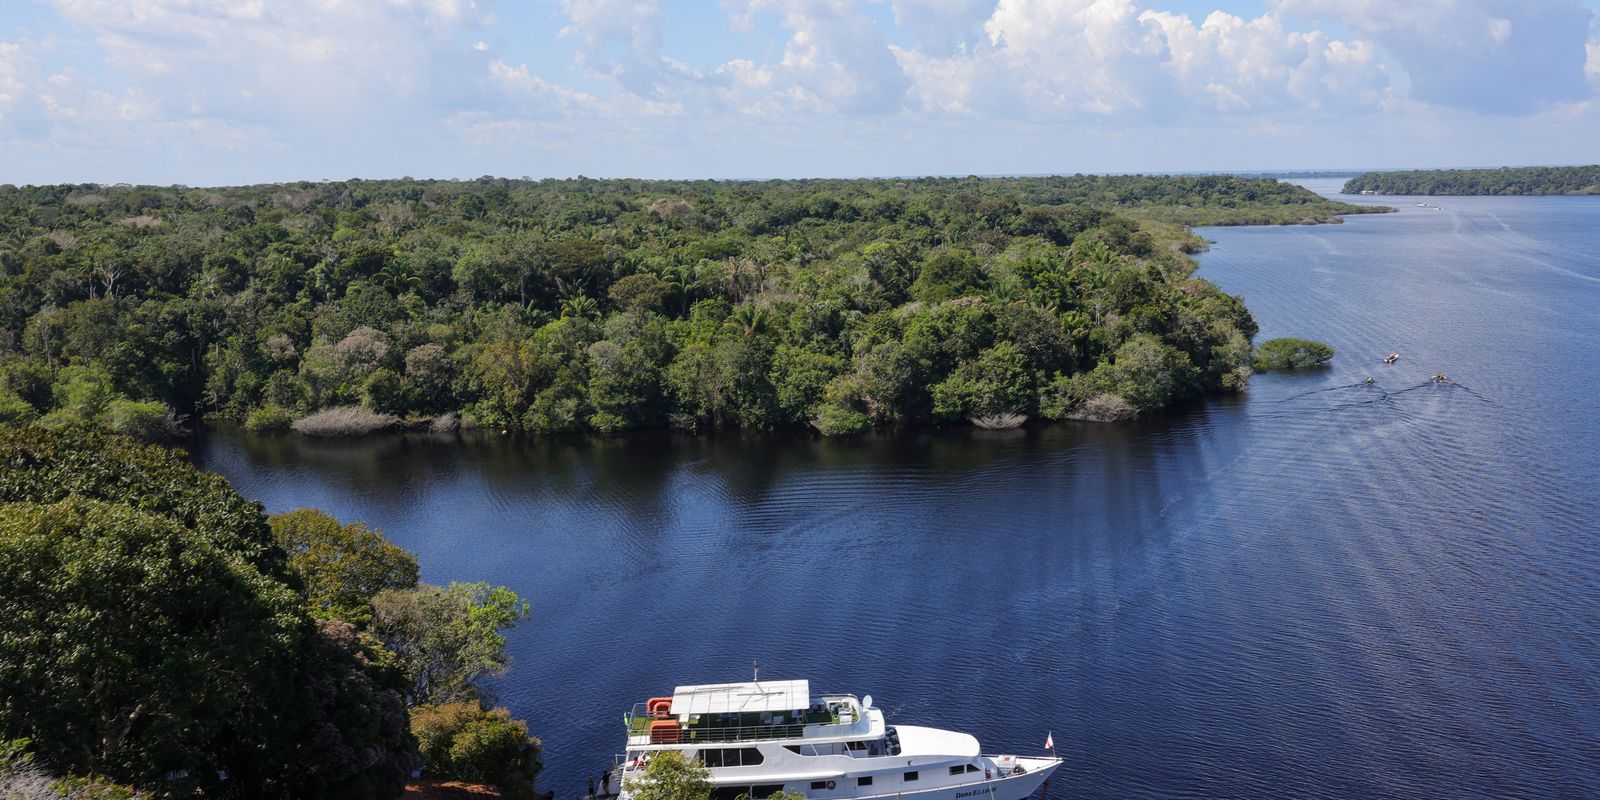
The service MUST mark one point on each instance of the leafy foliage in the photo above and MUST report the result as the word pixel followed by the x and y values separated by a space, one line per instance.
pixel 48 466
pixel 1505 180
pixel 23 779
pixel 136 646
pixel 585 305
pixel 1291 354
pixel 154 633
pixel 341 567
pixel 447 638
pixel 462 741
pixel 355 740
pixel 671 776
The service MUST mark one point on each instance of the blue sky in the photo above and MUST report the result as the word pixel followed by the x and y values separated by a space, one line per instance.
pixel 230 91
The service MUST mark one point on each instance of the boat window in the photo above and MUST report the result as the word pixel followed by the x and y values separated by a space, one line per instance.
pixel 911 776
pixel 856 745
pixel 864 781
pixel 957 770
pixel 729 792
pixel 793 748
pixel 765 789
pixel 713 758
pixel 972 767
pixel 819 786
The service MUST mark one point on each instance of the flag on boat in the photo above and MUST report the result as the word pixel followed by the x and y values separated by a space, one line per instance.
pixel 1049 741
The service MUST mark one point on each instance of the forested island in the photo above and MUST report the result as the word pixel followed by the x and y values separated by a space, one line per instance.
pixel 1502 181
pixel 605 305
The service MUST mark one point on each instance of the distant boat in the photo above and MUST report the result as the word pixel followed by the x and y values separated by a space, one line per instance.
pixel 1391 358
pixel 757 738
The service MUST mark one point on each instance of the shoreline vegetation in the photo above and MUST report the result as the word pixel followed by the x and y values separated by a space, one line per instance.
pixel 340 308
pixel 1581 180
pixel 164 637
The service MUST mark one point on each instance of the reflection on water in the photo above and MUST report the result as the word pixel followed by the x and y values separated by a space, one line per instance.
pixel 1327 588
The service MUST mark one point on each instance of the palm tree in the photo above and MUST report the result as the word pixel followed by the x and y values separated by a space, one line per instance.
pixel 750 319
pixel 396 278
pixel 579 306
pixel 682 284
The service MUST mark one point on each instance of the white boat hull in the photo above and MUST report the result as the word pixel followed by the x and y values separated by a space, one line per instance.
pixel 1007 787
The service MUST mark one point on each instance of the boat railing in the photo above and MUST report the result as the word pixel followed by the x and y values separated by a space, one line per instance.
pixel 644 728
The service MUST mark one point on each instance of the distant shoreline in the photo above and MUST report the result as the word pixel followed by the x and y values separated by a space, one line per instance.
pixel 1505 181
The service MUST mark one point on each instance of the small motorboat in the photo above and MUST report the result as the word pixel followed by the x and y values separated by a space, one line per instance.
pixel 1391 358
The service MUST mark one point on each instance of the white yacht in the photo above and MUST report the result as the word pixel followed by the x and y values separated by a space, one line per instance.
pixel 759 737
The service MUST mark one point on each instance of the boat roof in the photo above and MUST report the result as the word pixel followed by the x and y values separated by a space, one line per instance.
pixel 728 698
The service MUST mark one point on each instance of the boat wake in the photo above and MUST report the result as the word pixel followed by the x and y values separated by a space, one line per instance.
pixel 1374 393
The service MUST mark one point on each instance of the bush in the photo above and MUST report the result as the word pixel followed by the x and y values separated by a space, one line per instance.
pixel 15 411
pixel 344 421
pixel 82 392
pixel 836 420
pixel 461 741
pixel 269 418
pixel 143 421
pixel 1291 354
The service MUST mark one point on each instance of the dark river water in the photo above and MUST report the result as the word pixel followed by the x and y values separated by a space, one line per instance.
pixel 1318 589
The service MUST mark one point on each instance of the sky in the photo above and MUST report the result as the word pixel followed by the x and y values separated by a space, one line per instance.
pixel 211 92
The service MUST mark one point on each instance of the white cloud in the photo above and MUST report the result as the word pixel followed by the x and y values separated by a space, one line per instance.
pixel 1591 67
pixel 1495 56
pixel 942 26
pixel 22 111
pixel 634 23
pixel 1065 59
pixel 532 93
pixel 294 59
pixel 835 58
pixel 392 86
pixel 1255 65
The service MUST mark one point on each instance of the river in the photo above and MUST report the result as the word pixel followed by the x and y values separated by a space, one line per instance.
pixel 1321 588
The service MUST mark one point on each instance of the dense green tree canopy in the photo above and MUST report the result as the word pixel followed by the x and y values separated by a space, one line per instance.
pixel 447 637
pixel 464 742
pixel 340 566
pixel 150 631
pixel 47 466
pixel 606 305
pixel 1505 180
pixel 135 646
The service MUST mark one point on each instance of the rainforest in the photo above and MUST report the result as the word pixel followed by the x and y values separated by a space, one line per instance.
pixel 606 305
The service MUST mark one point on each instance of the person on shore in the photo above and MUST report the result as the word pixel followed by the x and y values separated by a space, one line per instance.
pixel 591 786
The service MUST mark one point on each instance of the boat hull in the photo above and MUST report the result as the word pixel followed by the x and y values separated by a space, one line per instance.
pixel 1008 787
pixel 1000 787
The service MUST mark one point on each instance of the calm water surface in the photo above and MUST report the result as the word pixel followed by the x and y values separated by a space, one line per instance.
pixel 1319 589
